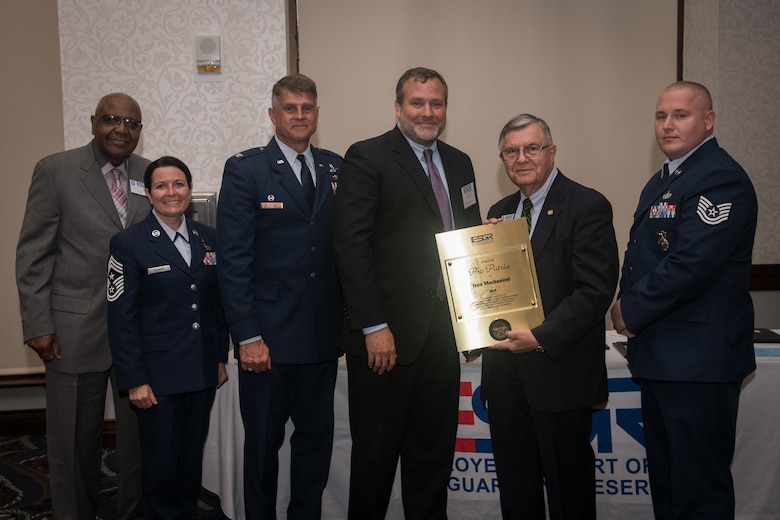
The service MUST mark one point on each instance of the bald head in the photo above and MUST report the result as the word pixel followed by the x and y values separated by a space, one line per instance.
pixel 683 118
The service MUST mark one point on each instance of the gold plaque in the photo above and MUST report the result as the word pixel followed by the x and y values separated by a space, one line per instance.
pixel 490 279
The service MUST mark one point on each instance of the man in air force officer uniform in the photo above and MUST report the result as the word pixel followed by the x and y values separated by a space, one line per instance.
pixel 282 300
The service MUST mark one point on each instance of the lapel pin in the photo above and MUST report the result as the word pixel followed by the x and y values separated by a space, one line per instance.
pixel 155 233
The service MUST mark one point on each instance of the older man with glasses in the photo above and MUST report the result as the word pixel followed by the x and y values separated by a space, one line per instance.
pixel 540 384
pixel 78 200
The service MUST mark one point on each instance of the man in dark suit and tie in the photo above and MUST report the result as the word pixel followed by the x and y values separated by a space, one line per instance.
pixel 397 191
pixel 541 384
pixel 78 200
pixel 684 304
pixel 282 300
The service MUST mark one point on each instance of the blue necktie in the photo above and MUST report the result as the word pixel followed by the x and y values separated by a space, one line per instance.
pixel 306 181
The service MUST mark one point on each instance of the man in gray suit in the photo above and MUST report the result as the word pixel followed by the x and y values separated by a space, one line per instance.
pixel 78 200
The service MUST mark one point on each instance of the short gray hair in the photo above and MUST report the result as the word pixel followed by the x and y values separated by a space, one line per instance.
pixel 521 121
pixel 295 83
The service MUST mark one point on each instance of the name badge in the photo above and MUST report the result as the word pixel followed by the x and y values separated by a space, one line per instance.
pixel 158 269
pixel 272 205
pixel 469 195
pixel 137 187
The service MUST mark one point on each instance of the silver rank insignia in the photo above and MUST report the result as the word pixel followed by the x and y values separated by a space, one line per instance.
pixel 712 214
pixel 663 242
pixel 115 283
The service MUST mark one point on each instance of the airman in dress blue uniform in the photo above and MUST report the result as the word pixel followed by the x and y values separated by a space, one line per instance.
pixel 168 337
pixel 685 307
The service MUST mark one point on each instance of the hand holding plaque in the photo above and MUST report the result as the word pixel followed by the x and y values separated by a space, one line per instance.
pixel 490 280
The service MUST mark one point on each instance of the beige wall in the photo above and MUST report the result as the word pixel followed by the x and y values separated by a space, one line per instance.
pixel 31 107
pixel 593 70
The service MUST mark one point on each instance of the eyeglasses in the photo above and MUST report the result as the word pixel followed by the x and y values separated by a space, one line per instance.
pixel 510 154
pixel 112 121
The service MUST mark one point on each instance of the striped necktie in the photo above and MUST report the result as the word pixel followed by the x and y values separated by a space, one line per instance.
pixel 527 205
pixel 119 197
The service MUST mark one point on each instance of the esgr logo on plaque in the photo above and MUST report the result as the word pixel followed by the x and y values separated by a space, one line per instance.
pixel 482 239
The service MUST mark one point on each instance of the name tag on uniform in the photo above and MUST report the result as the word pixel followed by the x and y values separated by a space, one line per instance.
pixel 158 269
pixel 272 205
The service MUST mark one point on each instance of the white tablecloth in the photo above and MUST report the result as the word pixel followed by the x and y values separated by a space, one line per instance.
pixel 623 490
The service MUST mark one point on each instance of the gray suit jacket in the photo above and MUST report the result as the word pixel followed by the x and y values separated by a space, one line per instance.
pixel 62 255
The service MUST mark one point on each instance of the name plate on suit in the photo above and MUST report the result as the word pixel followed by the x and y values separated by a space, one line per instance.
pixel 490 280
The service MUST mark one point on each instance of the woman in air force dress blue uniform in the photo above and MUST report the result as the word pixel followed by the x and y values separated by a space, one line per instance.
pixel 168 336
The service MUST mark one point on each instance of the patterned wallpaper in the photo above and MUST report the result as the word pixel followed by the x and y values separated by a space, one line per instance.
pixel 733 47
pixel 146 48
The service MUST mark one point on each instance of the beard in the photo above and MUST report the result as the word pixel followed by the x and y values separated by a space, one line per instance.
pixel 424 135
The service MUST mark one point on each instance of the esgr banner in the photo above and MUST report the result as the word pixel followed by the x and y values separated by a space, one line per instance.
pixel 617 438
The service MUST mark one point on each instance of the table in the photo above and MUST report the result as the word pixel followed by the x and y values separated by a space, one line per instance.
pixel 622 490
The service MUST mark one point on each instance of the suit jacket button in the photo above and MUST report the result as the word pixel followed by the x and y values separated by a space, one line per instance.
pixel 196 326
pixel 312 275
pixel 194 306
pixel 194 287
